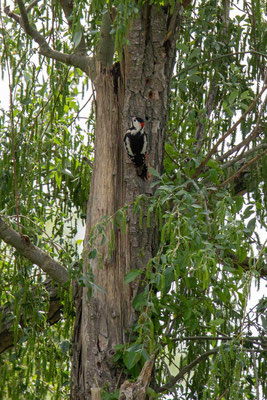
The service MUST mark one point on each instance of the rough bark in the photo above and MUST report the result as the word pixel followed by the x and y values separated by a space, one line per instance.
pixel 139 85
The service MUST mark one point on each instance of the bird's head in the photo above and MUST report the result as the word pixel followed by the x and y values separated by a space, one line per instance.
pixel 138 123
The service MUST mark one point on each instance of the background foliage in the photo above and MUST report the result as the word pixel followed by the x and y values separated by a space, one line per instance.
pixel 196 289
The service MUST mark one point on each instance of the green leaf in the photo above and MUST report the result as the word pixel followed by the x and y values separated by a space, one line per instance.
pixel 251 224
pixel 239 203
pixel 92 254
pixel 195 52
pixel 77 38
pixel 183 47
pixel 242 254
pixel 154 172
pixel 195 78
pixel 233 96
pixel 130 358
pixel 139 301
pixel 217 321
pixel 132 275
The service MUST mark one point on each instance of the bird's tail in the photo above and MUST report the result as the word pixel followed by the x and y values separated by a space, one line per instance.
pixel 143 173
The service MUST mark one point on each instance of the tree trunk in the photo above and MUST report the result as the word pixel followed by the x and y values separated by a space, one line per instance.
pixel 137 86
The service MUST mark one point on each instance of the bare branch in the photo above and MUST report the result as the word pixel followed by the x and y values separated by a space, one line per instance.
pixel 246 264
pixel 244 155
pixel 237 173
pixel 232 129
pixel 210 60
pixel 173 22
pixel 248 139
pixel 185 370
pixel 244 142
pixel 83 62
pixel 253 339
pixel 23 245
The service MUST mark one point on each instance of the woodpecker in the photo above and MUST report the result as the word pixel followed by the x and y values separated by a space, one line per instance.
pixel 135 141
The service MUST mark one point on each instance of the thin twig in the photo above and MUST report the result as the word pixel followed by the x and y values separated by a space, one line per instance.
pixel 256 130
pixel 244 155
pixel 185 370
pixel 224 393
pixel 210 60
pixel 253 339
pixel 232 129
pixel 237 173
pixel 236 148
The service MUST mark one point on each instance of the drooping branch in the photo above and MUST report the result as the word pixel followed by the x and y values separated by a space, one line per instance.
pixel 243 168
pixel 185 370
pixel 83 62
pixel 53 315
pixel 244 156
pixel 23 245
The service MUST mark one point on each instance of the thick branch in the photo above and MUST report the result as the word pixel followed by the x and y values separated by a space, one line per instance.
pixel 83 62
pixel 185 370
pixel 137 390
pixel 106 44
pixel 23 245
pixel 7 332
